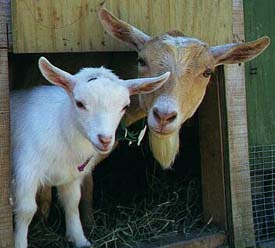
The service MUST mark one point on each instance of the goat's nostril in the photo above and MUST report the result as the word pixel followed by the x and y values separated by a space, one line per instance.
pixel 104 140
pixel 165 117
pixel 171 116
pixel 156 114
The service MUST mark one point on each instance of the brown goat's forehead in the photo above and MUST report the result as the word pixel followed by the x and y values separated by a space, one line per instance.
pixel 176 36
pixel 175 51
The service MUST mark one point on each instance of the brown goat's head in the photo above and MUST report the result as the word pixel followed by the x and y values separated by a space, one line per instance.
pixel 191 63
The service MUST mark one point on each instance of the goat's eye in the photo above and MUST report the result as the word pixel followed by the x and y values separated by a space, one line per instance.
pixel 207 73
pixel 92 78
pixel 80 105
pixel 141 62
pixel 125 107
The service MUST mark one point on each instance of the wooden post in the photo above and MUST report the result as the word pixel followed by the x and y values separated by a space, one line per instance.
pixel 240 191
pixel 6 229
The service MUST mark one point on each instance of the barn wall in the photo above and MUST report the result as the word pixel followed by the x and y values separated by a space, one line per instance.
pixel 73 26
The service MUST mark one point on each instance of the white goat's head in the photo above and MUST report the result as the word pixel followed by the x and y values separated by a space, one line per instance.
pixel 99 99
pixel 191 63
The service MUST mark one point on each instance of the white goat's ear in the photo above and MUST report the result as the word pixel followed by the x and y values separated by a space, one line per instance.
pixel 146 85
pixel 122 31
pixel 239 52
pixel 55 75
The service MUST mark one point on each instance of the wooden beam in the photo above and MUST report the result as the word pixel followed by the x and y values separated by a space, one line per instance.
pixel 6 226
pixel 240 191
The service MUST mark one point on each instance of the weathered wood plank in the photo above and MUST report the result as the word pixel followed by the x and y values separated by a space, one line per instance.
pixel 6 226
pixel 73 26
pixel 240 190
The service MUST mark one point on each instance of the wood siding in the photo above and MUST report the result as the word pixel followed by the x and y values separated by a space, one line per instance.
pixel 73 26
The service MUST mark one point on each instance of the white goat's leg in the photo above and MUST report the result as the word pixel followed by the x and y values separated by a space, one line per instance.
pixel 70 195
pixel 25 210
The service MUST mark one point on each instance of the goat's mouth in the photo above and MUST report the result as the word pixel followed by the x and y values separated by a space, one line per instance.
pixel 162 133
pixel 102 150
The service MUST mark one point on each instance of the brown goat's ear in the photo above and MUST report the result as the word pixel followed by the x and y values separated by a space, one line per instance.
pixel 55 75
pixel 122 31
pixel 239 52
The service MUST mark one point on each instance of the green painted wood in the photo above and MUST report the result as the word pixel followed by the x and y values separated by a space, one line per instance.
pixel 259 17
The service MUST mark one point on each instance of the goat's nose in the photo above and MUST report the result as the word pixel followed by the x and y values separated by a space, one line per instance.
pixel 164 117
pixel 105 140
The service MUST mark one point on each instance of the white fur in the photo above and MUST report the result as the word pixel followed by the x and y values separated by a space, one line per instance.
pixel 51 136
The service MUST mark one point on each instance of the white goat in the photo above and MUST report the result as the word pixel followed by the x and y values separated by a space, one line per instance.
pixel 57 137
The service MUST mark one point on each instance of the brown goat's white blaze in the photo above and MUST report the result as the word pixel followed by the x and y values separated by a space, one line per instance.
pixel 191 63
